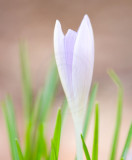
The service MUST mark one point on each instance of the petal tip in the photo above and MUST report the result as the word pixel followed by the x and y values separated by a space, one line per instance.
pixel 87 19
pixel 57 24
pixel 86 16
pixel 58 29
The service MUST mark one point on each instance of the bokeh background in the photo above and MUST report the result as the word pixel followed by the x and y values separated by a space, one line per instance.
pixel 33 21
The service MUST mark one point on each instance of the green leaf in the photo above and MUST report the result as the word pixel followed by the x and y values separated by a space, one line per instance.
pixel 48 93
pixel 96 134
pixel 56 138
pixel 41 148
pixel 85 149
pixel 42 106
pixel 28 141
pixel 116 80
pixel 53 152
pixel 8 110
pixel 19 150
pixel 127 144
pixel 89 109
pixel 64 109
pixel 26 81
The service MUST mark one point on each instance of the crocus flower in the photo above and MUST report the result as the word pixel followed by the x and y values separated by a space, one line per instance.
pixel 74 54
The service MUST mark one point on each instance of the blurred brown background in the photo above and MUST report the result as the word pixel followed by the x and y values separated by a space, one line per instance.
pixel 33 21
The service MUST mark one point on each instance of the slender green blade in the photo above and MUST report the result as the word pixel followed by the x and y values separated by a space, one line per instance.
pixel 89 109
pixel 48 93
pixel 96 134
pixel 28 141
pixel 116 80
pixel 53 152
pixel 44 149
pixel 42 106
pixel 26 81
pixel 64 109
pixel 117 128
pixel 19 150
pixel 57 135
pixel 85 149
pixel 9 115
pixel 41 146
pixel 127 144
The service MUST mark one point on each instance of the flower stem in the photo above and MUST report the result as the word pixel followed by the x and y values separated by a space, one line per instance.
pixel 78 123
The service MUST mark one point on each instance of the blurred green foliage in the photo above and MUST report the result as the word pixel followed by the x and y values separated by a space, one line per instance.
pixel 36 112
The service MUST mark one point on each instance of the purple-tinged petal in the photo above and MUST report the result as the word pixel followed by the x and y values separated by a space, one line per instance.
pixel 83 61
pixel 63 55
pixel 60 54
pixel 86 18
pixel 69 42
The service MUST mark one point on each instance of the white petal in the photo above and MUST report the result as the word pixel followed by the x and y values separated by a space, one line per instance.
pixel 83 61
pixel 61 61
pixel 86 18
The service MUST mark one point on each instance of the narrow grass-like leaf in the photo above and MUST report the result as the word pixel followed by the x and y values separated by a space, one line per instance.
pixel 63 110
pixel 96 134
pixel 19 150
pixel 8 110
pixel 42 106
pixel 127 144
pixel 44 149
pixel 117 127
pixel 56 138
pixel 85 149
pixel 41 148
pixel 116 80
pixel 26 81
pixel 28 141
pixel 53 151
pixel 48 93
pixel 11 113
pixel 89 109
